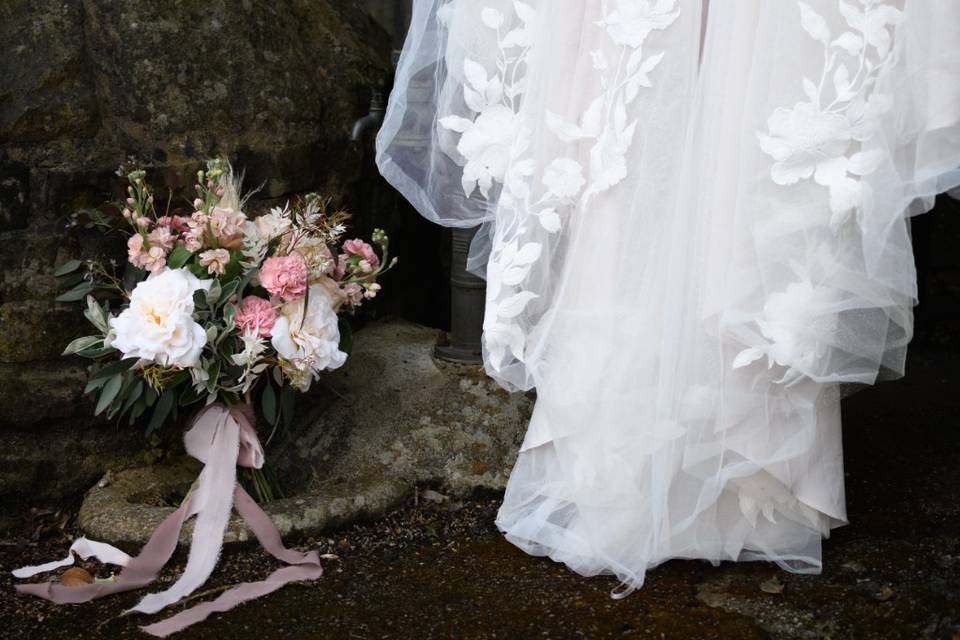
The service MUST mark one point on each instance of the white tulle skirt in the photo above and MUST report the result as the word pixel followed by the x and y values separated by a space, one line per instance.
pixel 695 229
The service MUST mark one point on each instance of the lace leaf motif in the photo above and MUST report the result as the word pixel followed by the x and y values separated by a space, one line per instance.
pixel 494 143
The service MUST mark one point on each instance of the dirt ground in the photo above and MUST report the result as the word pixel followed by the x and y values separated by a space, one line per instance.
pixel 440 570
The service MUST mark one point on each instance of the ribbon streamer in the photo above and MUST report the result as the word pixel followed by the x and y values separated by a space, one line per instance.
pixel 221 438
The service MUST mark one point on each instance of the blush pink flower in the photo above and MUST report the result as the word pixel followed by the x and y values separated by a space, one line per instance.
pixel 285 276
pixel 341 269
pixel 161 236
pixel 215 260
pixel 227 226
pixel 154 259
pixel 255 315
pixel 358 247
pixel 354 294
pixel 134 249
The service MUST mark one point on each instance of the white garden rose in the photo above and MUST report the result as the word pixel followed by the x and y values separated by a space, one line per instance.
pixel 158 325
pixel 308 343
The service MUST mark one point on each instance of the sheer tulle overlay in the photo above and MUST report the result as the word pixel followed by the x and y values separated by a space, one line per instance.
pixel 695 230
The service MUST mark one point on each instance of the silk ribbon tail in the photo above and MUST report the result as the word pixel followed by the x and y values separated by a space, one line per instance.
pixel 305 566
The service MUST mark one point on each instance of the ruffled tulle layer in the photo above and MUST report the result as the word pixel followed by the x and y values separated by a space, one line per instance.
pixel 696 230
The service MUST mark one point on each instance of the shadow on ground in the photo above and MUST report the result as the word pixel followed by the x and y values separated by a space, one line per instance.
pixel 438 569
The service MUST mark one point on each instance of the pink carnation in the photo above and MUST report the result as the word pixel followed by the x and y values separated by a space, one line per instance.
pixel 358 247
pixel 285 276
pixel 255 315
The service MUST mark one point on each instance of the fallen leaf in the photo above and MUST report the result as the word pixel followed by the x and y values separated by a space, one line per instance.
pixel 773 585
pixel 76 577
pixel 885 594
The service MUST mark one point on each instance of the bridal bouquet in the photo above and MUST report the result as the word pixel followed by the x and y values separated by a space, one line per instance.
pixel 217 307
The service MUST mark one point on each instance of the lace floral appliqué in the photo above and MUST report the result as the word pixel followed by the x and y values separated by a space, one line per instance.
pixel 494 147
pixel 820 137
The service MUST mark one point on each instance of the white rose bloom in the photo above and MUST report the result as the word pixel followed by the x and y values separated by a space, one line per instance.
pixel 158 325
pixel 308 343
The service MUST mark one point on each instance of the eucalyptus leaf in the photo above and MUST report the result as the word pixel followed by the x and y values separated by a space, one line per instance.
pixel 248 276
pixel 228 290
pixel 117 405
pixel 96 315
pixel 94 384
pixel 79 292
pixel 268 403
pixel 149 396
pixel 229 313
pixel 110 391
pixel 96 353
pixel 135 394
pixel 70 280
pixel 139 406
pixel 178 257
pixel 161 411
pixel 67 267
pixel 213 293
pixel 114 368
pixel 82 344
pixel 213 374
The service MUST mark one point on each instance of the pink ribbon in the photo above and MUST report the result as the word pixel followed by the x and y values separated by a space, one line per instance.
pixel 221 438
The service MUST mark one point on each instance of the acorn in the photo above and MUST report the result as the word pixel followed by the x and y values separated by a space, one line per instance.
pixel 75 577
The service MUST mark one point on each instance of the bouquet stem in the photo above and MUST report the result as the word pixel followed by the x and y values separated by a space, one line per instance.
pixel 263 484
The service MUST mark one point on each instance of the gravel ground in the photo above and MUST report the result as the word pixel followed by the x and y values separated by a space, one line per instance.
pixel 440 570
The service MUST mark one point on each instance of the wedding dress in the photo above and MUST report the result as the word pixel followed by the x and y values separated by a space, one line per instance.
pixel 694 234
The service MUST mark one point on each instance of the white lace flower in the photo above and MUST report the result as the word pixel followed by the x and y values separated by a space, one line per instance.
pixel 485 145
pixel 873 23
pixel 634 20
pixel 158 324
pixel 564 177
pixel 785 324
pixel 804 141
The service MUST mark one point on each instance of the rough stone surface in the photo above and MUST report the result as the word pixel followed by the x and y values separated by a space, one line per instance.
pixel 66 459
pixel 391 419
